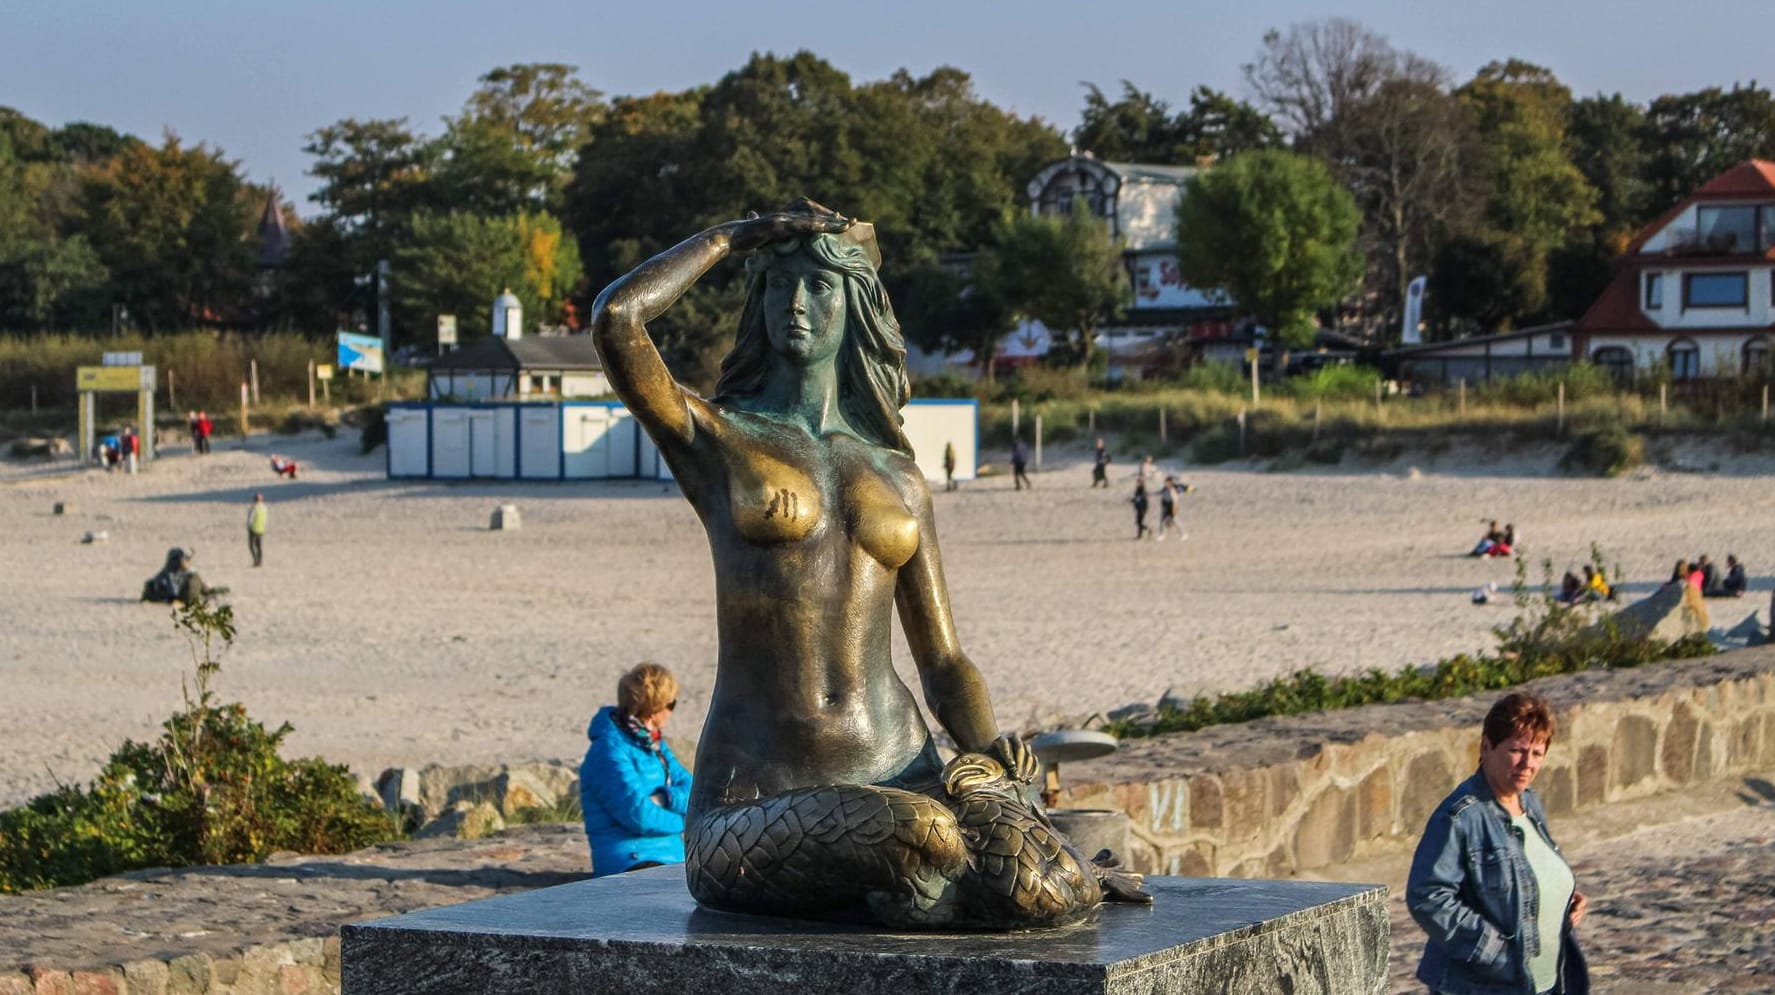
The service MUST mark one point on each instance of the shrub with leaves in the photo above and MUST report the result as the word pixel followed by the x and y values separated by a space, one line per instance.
pixel 211 789
pixel 1544 639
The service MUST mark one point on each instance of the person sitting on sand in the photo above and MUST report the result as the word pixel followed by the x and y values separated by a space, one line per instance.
pixel 1506 543
pixel 177 582
pixel 1735 583
pixel 1596 585
pixel 1571 589
pixel 1709 575
pixel 1492 537
pixel 283 467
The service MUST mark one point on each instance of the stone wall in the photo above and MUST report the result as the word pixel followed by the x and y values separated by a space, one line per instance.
pixel 1267 798
pixel 1263 798
pixel 296 967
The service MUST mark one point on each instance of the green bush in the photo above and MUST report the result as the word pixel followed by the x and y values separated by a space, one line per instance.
pixel 211 789
pixel 943 385
pixel 373 427
pixel 1343 383
pixel 1608 451
pixel 1215 378
pixel 1544 639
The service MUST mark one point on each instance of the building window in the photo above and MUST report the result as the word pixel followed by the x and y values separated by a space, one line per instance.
pixel 1654 291
pixel 1727 229
pixel 1756 356
pixel 1615 359
pixel 1685 360
pixel 1716 290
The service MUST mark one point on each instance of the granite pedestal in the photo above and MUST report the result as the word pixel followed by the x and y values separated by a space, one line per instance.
pixel 641 932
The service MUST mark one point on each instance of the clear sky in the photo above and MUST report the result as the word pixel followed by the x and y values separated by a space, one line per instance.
pixel 253 77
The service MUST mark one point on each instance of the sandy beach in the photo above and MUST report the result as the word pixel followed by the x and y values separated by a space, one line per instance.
pixel 391 627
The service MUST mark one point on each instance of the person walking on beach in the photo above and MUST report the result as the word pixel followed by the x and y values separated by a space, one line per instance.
pixel 1168 510
pixel 1020 466
pixel 132 448
pixel 204 428
pixel 1100 466
pixel 1141 531
pixel 257 518
pixel 949 466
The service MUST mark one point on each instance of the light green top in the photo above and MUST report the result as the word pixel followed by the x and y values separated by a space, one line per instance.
pixel 257 517
pixel 1555 884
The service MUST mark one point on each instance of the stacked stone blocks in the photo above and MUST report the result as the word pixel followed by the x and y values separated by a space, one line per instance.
pixel 1270 798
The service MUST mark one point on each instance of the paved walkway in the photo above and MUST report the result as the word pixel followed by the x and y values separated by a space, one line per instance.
pixel 1682 896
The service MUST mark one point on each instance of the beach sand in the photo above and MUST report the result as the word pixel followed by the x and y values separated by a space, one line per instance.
pixel 391 627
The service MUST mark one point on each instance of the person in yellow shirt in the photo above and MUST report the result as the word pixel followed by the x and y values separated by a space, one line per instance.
pixel 257 517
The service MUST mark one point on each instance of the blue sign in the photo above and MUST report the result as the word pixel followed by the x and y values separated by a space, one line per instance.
pixel 360 352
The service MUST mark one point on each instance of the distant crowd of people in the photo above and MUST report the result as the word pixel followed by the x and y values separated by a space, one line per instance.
pixel 1704 577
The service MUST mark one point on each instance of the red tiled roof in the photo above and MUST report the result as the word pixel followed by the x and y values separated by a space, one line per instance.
pixel 1617 308
pixel 1749 179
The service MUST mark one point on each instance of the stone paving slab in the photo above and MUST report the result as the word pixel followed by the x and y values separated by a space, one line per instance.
pixel 163 914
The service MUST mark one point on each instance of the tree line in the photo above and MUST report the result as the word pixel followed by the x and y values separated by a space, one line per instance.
pixel 1509 193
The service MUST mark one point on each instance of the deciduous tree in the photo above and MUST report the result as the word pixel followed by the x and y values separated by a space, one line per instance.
pixel 1275 233
pixel 1066 273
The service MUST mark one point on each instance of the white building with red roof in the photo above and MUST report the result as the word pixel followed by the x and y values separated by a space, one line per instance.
pixel 1695 289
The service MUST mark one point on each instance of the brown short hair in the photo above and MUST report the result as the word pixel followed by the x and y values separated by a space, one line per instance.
pixel 647 688
pixel 1519 713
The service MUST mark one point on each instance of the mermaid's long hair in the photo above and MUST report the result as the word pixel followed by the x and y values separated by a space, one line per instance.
pixel 872 383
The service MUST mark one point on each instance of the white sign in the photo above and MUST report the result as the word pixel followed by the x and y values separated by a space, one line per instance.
pixel 121 359
pixel 446 329
pixel 1414 310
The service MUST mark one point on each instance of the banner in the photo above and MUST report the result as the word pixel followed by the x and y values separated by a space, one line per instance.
pixel 360 352
pixel 1414 312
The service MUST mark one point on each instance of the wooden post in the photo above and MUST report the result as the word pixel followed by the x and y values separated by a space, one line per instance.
pixel 1164 436
pixel 1254 397
pixel 1461 396
pixel 311 383
pixel 1016 414
pixel 1663 403
pixel 1559 426
pixel 1038 441
pixel 326 392
pixel 172 390
pixel 243 412
pixel 253 370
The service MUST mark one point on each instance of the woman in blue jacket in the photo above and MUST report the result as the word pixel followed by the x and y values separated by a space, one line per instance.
pixel 1488 884
pixel 632 789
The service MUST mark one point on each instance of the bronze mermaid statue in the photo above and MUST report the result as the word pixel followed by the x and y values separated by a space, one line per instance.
pixel 819 791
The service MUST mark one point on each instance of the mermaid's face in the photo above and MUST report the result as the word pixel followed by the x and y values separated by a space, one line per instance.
pixel 803 308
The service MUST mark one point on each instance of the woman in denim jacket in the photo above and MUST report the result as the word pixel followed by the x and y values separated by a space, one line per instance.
pixel 1488 884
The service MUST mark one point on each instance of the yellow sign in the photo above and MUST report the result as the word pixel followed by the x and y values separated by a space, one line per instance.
pixel 108 378
pixel 1251 355
pixel 323 373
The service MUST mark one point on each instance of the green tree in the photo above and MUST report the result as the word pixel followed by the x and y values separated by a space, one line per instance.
pixel 923 157
pixel 45 276
pixel 942 310
pixel 1136 128
pixel 1694 137
pixel 1065 272
pixel 1537 200
pixel 174 227
pixel 1604 140
pixel 1275 233
pixel 1221 127
pixel 456 263
pixel 514 145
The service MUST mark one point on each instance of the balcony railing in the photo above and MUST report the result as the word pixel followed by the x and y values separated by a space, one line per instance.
pixel 1692 242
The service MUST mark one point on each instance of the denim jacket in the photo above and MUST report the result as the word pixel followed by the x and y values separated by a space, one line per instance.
pixel 1472 891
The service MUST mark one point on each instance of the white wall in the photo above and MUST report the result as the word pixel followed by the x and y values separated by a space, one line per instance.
pixel 407 432
pixel 539 440
pixel 1761 309
pixel 932 423
pixel 1146 214
pixel 1720 355
pixel 584 384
